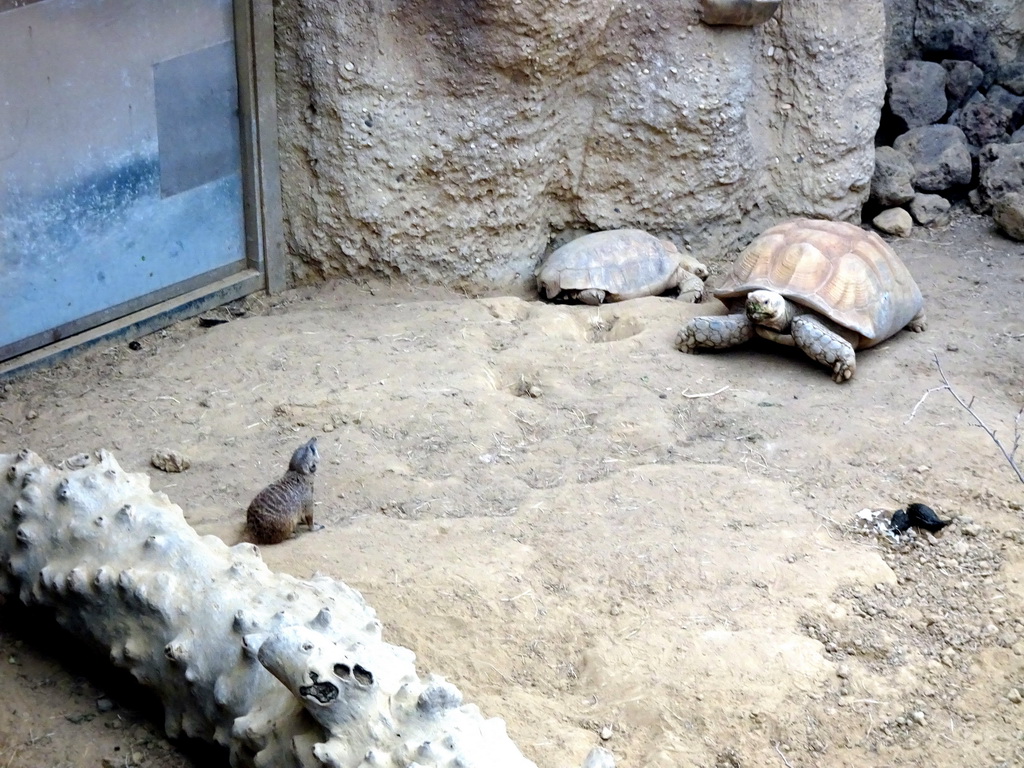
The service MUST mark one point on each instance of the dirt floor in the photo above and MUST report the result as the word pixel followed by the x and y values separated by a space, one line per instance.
pixel 597 538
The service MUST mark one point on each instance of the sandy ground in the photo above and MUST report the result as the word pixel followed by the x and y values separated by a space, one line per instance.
pixel 590 533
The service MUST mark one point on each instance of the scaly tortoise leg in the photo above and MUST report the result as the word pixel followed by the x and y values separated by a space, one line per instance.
pixel 592 296
pixel 714 332
pixel 918 322
pixel 821 343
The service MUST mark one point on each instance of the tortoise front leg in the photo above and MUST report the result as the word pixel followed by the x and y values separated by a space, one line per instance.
pixel 714 332
pixel 918 323
pixel 592 296
pixel 691 289
pixel 821 343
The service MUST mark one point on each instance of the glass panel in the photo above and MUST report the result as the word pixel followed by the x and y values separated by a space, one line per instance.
pixel 120 170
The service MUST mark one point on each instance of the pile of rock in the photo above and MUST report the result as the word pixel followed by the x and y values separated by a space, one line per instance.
pixel 953 128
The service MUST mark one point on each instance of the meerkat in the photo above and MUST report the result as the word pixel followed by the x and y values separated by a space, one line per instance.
pixel 278 509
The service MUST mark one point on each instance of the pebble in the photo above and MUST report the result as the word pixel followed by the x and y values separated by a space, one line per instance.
pixel 103 704
pixel 1015 696
pixel 170 461
pixel 918 717
pixel 599 757
pixel 606 733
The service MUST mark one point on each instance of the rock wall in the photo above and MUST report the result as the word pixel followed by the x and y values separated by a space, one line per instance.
pixel 456 141
pixel 991 31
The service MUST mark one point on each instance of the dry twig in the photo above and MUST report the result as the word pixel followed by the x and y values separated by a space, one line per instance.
pixel 694 396
pixel 781 754
pixel 1009 455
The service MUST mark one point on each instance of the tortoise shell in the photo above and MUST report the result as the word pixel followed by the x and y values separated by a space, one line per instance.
pixel 625 263
pixel 847 274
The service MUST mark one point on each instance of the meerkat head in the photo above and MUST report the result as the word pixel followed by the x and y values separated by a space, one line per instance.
pixel 305 459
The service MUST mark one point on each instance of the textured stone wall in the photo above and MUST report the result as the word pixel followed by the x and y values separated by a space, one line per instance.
pixel 455 140
pixel 993 30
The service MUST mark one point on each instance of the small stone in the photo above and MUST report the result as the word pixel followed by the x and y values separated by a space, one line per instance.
pixel 930 210
pixel 32 415
pixel 918 717
pixel 599 757
pixel 951 347
pixel 1008 214
pixel 843 671
pixel 972 530
pixel 103 704
pixel 606 733
pixel 170 461
pixel 894 221
pixel 328 427
pixel 137 758
pixel 1015 696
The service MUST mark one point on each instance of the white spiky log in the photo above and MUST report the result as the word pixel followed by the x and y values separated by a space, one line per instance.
pixel 283 672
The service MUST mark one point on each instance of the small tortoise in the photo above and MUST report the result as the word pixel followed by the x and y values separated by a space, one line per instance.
pixel 619 264
pixel 827 287
pixel 276 511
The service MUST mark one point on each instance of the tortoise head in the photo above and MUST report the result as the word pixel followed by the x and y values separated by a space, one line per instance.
pixel 769 309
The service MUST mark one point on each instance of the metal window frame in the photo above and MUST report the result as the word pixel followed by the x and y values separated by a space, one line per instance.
pixel 265 267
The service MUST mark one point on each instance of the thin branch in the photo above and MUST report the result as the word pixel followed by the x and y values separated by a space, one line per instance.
pixel 694 396
pixel 920 402
pixel 776 745
pixel 969 407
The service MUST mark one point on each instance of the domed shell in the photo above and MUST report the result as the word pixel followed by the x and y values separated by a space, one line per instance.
pixel 626 263
pixel 846 273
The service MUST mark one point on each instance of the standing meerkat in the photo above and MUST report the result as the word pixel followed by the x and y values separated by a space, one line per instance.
pixel 276 511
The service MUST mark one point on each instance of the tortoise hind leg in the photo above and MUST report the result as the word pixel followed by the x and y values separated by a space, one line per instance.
pixel 714 332
pixel 918 322
pixel 593 296
pixel 821 343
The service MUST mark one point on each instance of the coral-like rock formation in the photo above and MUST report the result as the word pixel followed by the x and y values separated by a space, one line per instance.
pixel 282 672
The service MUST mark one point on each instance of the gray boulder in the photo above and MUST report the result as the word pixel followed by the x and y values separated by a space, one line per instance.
pixel 959 39
pixel 930 210
pixel 1008 214
pixel 963 78
pixel 940 155
pixel 917 93
pixel 984 122
pixel 997 94
pixel 1000 173
pixel 1017 136
pixel 891 183
pixel 1011 77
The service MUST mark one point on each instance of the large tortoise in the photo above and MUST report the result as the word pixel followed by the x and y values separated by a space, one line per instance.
pixel 619 264
pixel 827 287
